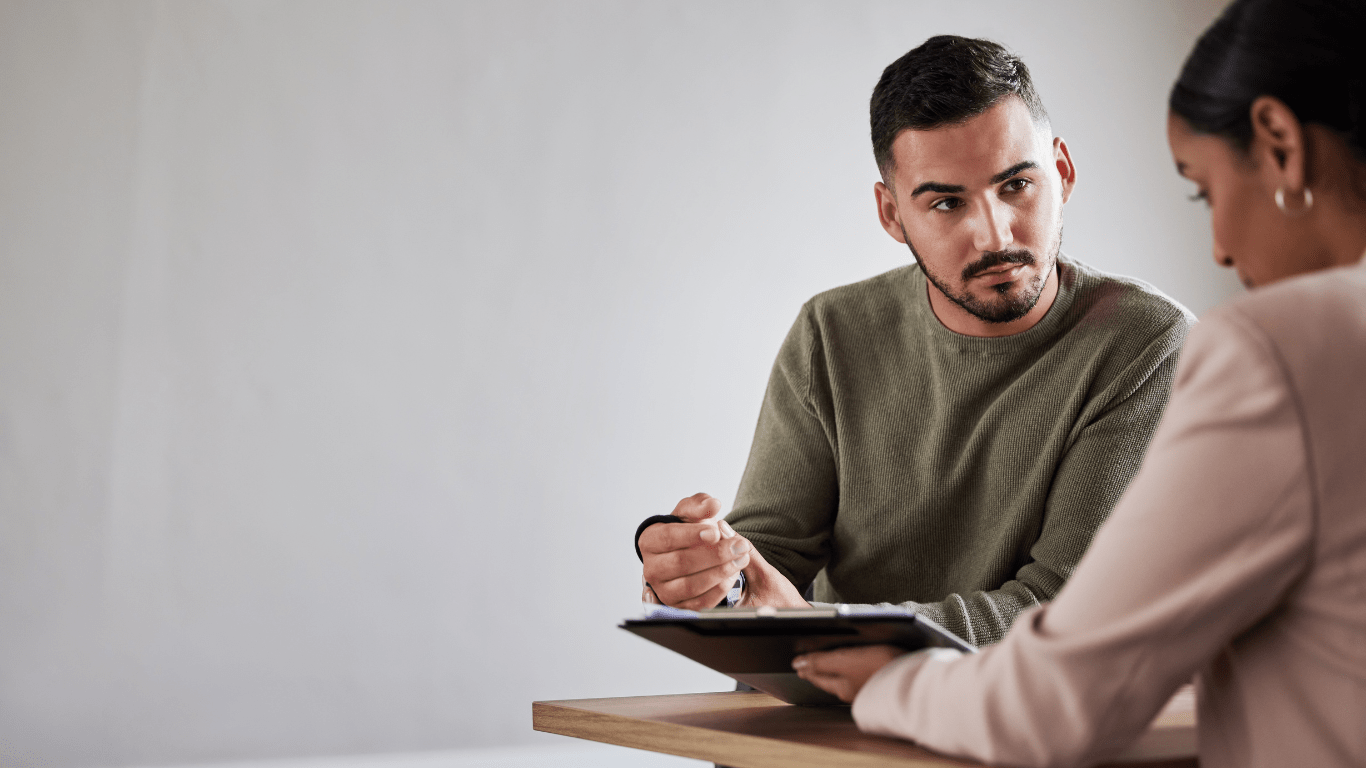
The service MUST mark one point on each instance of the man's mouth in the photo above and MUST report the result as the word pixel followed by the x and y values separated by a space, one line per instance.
pixel 999 264
pixel 999 270
pixel 1000 276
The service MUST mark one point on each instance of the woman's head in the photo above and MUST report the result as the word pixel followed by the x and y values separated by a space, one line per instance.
pixel 1268 117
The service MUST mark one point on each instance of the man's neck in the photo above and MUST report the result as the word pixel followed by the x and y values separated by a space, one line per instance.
pixel 959 320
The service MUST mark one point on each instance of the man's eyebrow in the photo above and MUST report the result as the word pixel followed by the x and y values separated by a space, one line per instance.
pixel 938 187
pixel 952 189
pixel 1180 168
pixel 1013 170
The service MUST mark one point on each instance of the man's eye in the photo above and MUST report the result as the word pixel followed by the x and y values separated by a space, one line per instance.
pixel 1015 185
pixel 1199 196
pixel 947 204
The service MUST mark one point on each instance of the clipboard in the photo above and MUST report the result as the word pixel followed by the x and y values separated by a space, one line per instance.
pixel 756 647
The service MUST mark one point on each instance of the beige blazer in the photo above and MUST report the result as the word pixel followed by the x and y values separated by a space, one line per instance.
pixel 1238 553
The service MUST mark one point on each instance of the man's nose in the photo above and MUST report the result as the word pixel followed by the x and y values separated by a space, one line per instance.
pixel 993 228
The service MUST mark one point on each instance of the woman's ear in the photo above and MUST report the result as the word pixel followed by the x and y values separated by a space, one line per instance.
pixel 1278 144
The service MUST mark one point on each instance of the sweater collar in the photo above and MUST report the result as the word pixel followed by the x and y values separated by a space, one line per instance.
pixel 1069 280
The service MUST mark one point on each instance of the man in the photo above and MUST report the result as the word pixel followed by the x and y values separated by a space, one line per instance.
pixel 948 435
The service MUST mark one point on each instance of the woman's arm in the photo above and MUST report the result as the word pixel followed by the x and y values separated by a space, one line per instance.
pixel 1208 539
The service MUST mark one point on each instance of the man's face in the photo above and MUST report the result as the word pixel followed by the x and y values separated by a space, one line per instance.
pixel 980 205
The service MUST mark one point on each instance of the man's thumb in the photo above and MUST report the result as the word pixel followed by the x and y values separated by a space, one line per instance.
pixel 756 573
pixel 697 508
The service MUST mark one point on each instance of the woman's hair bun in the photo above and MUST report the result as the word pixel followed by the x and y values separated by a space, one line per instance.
pixel 1307 53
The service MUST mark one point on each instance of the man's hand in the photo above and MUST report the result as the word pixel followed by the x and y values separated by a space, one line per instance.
pixel 843 671
pixel 764 585
pixel 692 565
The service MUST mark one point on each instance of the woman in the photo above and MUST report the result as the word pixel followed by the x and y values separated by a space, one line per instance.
pixel 1238 554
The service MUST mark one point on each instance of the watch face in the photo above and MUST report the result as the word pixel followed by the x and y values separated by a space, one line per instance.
pixel 736 595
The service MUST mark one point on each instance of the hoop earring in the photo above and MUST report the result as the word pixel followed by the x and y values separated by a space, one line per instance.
pixel 1304 208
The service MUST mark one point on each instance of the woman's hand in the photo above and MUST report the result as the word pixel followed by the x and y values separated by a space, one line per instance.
pixel 843 671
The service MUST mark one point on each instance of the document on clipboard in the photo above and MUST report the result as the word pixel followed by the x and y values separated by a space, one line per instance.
pixel 756 646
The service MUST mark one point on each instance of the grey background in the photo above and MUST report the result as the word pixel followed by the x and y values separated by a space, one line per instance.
pixel 343 344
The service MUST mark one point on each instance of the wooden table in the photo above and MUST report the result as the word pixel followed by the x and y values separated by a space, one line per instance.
pixel 755 730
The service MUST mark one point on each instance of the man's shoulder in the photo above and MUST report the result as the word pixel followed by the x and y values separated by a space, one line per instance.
pixel 1113 303
pixel 892 291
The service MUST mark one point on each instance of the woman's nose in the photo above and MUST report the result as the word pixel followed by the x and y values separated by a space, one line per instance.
pixel 1222 257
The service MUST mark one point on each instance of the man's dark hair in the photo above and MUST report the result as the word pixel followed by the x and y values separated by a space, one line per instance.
pixel 945 80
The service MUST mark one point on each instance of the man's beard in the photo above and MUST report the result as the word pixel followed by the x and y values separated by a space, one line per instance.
pixel 1007 305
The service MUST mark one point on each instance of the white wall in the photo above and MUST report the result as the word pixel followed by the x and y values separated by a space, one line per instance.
pixel 343 344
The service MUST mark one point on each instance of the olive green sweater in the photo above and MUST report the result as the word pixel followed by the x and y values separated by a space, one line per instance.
pixel 896 461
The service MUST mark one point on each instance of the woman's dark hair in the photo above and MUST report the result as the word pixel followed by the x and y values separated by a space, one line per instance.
pixel 945 80
pixel 1310 54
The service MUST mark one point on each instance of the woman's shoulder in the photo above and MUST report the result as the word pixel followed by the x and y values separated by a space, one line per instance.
pixel 1320 308
pixel 1311 332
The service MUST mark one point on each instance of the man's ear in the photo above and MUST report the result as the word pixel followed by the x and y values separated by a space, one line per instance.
pixel 1067 170
pixel 1278 144
pixel 887 212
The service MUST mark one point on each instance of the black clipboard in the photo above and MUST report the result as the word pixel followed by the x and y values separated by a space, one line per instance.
pixel 756 647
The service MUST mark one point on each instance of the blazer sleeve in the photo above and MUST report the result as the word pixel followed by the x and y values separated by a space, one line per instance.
pixel 1207 540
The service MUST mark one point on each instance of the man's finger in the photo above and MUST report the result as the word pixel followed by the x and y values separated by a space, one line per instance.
pixel 667 537
pixel 647 593
pixel 690 587
pixel 710 599
pixel 692 590
pixel 697 507
pixel 666 566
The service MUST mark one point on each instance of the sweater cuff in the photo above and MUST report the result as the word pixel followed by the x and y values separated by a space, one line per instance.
pixel 649 521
